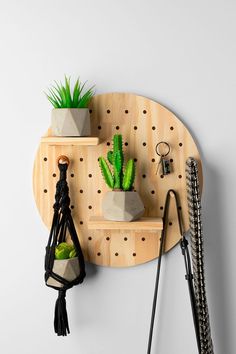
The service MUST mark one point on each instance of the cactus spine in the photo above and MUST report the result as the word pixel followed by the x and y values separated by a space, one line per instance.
pixel 118 180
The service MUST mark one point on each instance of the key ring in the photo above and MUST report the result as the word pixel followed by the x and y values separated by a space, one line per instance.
pixel 157 148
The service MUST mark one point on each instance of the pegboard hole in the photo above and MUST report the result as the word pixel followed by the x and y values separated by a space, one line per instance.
pixel 171 128
pixel 81 159
pixel 162 176
pixel 126 144
pixel 81 222
pixel 180 176
pixel 107 238
pixel 90 207
pixel 72 207
pixel 126 111
pixel 99 127
pixel 134 254
pixel 72 175
pixel 144 111
pixel 45 159
pixel 108 144
pixel 117 127
pixel 144 144
pixel 153 128
pixel 135 160
pixel 99 254
pixel 171 160
pixel 90 175
pixel 143 239
pixel 99 191
pixel 161 207
pixel 45 190
pixel 180 144
pixel 179 208
pixel 108 111
pixel 125 239
pixel 54 175
pixel 90 111
pixel 170 223
pixel 116 254
pixel 153 160
pixel 135 127
pixel 81 191
pixel 90 238
pixel 153 192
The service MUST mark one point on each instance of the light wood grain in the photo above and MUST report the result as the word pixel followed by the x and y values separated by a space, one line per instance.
pixel 119 113
pixel 56 140
pixel 99 223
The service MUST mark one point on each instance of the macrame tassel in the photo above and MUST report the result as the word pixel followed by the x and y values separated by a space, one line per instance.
pixel 61 325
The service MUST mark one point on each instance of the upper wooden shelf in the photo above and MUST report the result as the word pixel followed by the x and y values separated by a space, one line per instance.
pixel 145 223
pixel 60 140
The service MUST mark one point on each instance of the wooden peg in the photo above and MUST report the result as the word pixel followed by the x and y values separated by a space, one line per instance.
pixel 62 159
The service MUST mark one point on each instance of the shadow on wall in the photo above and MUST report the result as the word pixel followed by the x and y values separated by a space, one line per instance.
pixel 216 260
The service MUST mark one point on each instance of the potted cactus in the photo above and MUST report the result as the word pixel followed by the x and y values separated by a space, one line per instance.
pixel 70 116
pixel 122 203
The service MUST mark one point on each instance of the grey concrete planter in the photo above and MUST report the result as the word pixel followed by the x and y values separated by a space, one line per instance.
pixel 122 206
pixel 67 268
pixel 70 122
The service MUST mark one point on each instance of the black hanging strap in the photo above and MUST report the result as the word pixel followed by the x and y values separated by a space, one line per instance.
pixel 62 225
pixel 188 276
pixel 161 249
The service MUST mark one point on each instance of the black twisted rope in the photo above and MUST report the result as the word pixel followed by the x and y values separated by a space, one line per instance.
pixel 194 206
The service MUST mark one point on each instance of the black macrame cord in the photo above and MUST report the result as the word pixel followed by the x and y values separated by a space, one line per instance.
pixel 62 225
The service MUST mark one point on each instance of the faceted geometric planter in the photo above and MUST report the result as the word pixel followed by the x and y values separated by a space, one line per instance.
pixel 70 122
pixel 67 268
pixel 122 206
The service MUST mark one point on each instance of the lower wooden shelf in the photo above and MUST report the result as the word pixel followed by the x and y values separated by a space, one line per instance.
pixel 145 223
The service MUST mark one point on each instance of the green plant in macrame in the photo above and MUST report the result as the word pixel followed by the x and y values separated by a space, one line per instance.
pixel 120 179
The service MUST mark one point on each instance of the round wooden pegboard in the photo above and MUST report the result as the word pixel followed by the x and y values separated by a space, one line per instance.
pixel 143 123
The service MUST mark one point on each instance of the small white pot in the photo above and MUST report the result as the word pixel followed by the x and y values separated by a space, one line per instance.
pixel 122 206
pixel 68 269
pixel 70 122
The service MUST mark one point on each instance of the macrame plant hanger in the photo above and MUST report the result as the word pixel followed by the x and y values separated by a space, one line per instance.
pixel 62 228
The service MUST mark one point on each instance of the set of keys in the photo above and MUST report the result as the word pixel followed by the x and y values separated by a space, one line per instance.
pixel 163 150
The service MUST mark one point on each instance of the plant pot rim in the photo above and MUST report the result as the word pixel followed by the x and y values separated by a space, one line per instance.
pixel 65 259
pixel 121 191
pixel 70 109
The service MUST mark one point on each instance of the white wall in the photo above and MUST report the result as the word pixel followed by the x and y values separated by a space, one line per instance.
pixel 180 53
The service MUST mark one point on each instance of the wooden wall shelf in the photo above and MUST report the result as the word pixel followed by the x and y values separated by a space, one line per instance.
pixel 74 141
pixel 145 223
pixel 143 123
